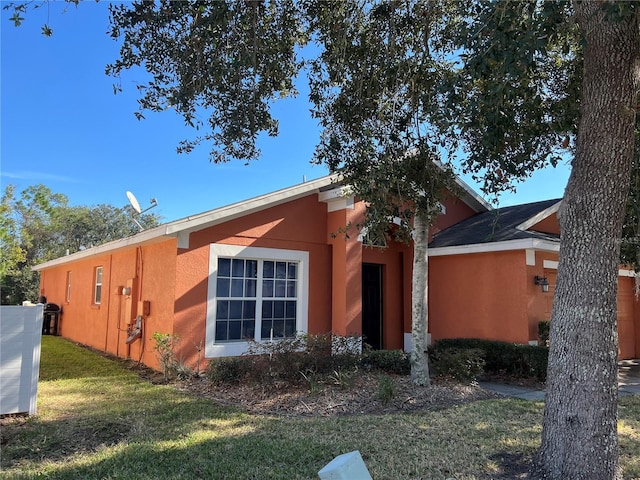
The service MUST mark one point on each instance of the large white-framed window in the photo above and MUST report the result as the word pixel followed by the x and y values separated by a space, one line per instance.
pixel 254 293
pixel 97 291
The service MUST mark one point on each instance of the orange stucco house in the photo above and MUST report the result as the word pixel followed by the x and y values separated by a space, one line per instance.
pixel 274 265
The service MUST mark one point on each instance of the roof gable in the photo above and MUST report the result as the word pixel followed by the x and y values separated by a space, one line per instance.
pixel 328 187
pixel 503 224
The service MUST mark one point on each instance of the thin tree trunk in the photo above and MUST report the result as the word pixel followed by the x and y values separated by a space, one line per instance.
pixel 579 437
pixel 419 299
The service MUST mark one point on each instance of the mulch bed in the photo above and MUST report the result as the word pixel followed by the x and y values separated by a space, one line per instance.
pixel 361 396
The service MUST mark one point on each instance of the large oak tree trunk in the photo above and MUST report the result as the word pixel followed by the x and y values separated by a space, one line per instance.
pixel 419 299
pixel 579 438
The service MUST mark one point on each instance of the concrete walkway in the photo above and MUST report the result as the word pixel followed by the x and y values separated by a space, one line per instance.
pixel 628 384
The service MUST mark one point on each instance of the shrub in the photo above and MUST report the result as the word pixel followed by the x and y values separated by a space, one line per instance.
pixel 229 369
pixel 501 358
pixel 543 332
pixel 465 365
pixel 165 347
pixel 391 361
pixel 386 390
pixel 297 359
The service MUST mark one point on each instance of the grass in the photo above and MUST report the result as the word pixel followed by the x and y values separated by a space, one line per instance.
pixel 97 420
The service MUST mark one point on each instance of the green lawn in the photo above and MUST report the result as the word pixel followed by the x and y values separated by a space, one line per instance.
pixel 97 420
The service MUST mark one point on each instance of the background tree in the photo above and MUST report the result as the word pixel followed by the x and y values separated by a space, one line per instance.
pixel 539 78
pixel 40 225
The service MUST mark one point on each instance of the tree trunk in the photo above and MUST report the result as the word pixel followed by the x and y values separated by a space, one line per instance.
pixel 419 299
pixel 579 436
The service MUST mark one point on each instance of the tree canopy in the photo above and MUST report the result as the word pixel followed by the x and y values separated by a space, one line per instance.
pixel 38 225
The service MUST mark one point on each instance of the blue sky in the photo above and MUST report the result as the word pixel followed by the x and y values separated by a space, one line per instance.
pixel 62 126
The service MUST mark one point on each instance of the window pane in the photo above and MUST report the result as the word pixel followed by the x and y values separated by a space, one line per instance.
pixel 222 287
pixel 249 309
pixel 221 330
pixel 222 309
pixel 98 293
pixel 289 328
pixel 235 329
pixel 249 329
pixel 224 267
pixel 235 309
pixel 291 288
pixel 236 287
pixel 281 288
pixel 278 309
pixel 267 269
pixel 250 288
pixel 99 275
pixel 267 288
pixel 281 270
pixel 251 269
pixel 278 328
pixel 237 268
pixel 292 271
pixel 265 331
pixel 267 309
pixel 291 310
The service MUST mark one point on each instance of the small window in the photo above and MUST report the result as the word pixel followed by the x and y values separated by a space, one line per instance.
pixel 68 287
pixel 97 296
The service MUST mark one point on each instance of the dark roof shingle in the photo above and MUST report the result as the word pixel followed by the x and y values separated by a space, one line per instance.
pixel 497 225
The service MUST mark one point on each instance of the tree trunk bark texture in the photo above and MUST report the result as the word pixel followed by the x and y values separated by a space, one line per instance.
pixel 419 299
pixel 579 437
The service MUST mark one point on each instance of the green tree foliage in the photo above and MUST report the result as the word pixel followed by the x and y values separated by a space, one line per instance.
pixel 229 59
pixel 39 225
pixel 515 100
pixel 539 80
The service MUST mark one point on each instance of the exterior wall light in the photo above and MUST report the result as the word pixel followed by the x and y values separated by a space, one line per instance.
pixel 543 282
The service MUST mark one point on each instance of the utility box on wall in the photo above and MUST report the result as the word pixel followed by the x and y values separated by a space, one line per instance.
pixel 20 338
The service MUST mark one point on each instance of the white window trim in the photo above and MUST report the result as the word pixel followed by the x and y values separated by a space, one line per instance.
pixel 229 349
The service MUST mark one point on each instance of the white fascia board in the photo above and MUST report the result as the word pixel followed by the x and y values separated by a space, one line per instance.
pixel 522 244
pixel 472 198
pixel 181 228
pixel 246 207
pixel 622 272
pixel 526 225
pixel 153 235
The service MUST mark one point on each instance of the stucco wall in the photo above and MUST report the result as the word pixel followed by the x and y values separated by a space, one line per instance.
pixel 150 273
pixel 482 295
pixel 297 225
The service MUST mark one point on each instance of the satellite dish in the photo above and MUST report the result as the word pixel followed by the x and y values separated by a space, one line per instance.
pixel 134 202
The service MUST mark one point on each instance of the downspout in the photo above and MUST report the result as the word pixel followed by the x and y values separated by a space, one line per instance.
pixel 106 330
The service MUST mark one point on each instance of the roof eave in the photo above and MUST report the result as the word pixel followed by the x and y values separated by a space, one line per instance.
pixel 520 244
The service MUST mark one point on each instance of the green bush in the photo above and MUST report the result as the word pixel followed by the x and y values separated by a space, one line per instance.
pixel 501 358
pixel 229 369
pixel 465 365
pixel 293 360
pixel 543 332
pixel 391 361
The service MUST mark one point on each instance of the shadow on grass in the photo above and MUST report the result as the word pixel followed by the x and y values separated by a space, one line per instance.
pixel 111 424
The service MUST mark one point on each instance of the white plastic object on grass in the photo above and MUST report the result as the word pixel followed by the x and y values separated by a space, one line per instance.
pixel 348 466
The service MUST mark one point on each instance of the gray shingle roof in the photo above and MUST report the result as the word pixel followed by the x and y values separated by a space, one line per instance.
pixel 497 225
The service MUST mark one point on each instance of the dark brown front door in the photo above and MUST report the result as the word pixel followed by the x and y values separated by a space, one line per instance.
pixel 372 305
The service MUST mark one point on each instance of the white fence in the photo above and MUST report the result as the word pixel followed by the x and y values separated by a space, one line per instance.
pixel 20 336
